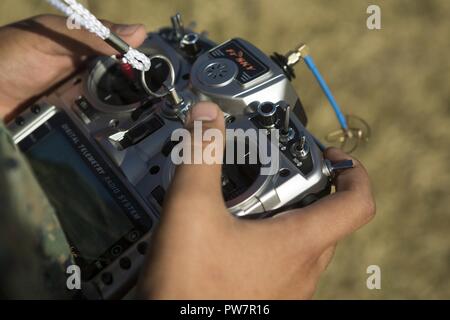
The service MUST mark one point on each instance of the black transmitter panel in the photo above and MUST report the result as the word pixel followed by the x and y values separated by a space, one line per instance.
pixel 249 66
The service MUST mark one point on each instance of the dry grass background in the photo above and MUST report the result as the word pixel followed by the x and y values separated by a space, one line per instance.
pixel 396 78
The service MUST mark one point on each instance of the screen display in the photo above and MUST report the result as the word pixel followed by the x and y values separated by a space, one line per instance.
pixel 97 213
pixel 87 212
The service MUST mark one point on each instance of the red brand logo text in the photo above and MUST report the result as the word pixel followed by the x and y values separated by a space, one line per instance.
pixel 239 58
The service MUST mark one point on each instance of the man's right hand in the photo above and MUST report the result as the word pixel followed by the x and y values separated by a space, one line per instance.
pixel 200 251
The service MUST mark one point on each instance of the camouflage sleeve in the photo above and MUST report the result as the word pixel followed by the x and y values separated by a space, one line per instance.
pixel 34 252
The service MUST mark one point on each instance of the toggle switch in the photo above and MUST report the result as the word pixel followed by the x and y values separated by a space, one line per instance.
pixel 286 132
pixel 300 149
pixel 177 26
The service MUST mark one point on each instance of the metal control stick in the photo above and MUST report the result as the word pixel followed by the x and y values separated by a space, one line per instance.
pixel 331 168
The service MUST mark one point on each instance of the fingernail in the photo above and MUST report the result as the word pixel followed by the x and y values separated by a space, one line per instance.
pixel 126 29
pixel 204 112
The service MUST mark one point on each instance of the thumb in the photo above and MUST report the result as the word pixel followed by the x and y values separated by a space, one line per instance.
pixel 198 182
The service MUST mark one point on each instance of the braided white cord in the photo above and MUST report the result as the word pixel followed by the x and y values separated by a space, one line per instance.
pixel 61 7
pixel 87 20
pixel 137 60
pixel 81 15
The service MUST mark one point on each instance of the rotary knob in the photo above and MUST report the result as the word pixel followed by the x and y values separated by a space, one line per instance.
pixel 267 114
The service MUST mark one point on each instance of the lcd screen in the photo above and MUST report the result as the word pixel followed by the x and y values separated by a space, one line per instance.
pixel 87 210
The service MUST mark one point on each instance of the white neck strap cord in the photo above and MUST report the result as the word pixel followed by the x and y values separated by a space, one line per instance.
pixel 73 9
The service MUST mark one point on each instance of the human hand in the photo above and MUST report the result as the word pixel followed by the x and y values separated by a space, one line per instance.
pixel 200 251
pixel 41 51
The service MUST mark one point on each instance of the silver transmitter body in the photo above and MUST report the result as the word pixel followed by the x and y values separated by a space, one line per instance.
pixel 100 145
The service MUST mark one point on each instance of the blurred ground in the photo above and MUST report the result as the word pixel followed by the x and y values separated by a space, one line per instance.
pixel 396 78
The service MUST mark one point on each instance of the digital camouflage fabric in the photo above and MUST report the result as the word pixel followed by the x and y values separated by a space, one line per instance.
pixel 34 252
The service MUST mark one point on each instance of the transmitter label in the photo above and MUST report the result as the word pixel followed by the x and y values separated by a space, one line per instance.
pixel 249 66
pixel 241 311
